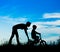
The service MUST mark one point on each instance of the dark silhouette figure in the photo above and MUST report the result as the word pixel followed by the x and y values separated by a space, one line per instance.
pixel 33 34
pixel 37 39
pixel 19 26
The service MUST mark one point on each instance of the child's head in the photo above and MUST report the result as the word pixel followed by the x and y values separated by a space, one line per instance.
pixel 34 26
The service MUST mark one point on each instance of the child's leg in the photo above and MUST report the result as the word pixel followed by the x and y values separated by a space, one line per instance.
pixel 36 39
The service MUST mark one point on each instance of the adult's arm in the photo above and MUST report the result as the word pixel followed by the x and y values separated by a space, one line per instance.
pixel 26 33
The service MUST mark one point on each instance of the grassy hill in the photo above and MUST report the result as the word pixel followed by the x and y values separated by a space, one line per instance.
pixel 30 47
pixel 6 45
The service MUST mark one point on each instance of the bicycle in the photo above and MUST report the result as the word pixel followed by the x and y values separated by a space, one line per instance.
pixel 40 41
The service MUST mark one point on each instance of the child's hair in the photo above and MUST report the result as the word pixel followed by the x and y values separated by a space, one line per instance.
pixel 34 26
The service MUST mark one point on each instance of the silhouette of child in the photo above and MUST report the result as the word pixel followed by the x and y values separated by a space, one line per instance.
pixel 33 34
pixel 19 26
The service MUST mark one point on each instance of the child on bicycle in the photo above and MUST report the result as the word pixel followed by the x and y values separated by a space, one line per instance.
pixel 33 34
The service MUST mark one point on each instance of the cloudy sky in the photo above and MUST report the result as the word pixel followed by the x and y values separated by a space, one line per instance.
pixel 43 13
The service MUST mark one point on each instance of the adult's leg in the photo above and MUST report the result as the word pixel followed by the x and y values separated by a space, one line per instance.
pixel 10 41
pixel 17 37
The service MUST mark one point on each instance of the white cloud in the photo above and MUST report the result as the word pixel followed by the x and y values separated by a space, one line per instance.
pixel 8 19
pixel 51 15
pixel 54 23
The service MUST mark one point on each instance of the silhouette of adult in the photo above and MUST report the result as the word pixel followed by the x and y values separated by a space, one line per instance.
pixel 15 32
pixel 33 34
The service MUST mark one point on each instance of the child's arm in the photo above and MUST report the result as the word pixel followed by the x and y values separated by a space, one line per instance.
pixel 38 33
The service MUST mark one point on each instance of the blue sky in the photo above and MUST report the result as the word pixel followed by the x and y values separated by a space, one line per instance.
pixel 44 13
pixel 29 8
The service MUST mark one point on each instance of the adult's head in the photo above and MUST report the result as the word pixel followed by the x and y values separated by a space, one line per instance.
pixel 34 26
pixel 28 24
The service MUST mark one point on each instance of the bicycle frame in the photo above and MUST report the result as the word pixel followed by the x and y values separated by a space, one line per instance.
pixel 40 41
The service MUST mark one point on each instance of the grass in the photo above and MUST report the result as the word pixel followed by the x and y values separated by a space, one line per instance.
pixel 6 45
pixel 30 47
